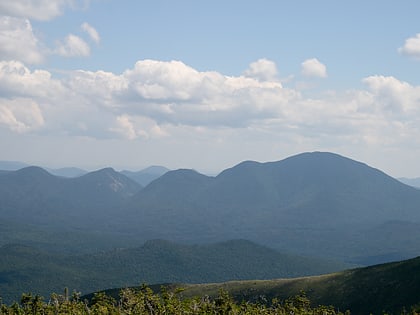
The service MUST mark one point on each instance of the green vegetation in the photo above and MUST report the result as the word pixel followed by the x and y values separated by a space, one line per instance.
pixel 387 288
pixel 145 301
pixel 25 268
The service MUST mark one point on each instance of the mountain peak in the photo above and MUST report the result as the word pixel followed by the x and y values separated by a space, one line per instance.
pixel 113 180
pixel 155 169
pixel 33 171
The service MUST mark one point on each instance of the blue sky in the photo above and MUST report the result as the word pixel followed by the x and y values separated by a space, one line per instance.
pixel 207 84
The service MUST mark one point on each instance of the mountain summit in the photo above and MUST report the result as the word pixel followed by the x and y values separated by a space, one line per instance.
pixel 316 203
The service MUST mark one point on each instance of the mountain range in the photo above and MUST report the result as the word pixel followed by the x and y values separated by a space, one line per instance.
pixel 143 177
pixel 317 204
pixel 313 203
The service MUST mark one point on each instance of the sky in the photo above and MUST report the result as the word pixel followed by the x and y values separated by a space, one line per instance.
pixel 208 84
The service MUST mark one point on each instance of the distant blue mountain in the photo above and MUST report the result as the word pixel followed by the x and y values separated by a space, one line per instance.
pixel 318 203
pixel 315 203
pixel 12 165
pixel 67 171
pixel 415 182
pixel 147 175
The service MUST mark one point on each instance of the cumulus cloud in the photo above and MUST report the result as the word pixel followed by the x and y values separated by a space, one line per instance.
pixel 73 46
pixel 93 34
pixel 33 9
pixel 263 70
pixel 411 47
pixel 314 68
pixel 158 99
pixel 133 127
pixel 394 95
pixel 20 115
pixel 17 80
pixel 174 92
pixel 18 42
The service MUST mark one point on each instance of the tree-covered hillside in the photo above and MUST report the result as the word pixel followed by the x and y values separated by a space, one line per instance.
pixel 391 288
pixel 26 269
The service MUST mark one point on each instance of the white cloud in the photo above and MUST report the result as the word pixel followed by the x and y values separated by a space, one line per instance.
pixel 411 47
pixel 163 100
pixel 17 80
pixel 263 70
pixel 20 115
pixel 124 127
pixel 73 46
pixel 18 42
pixel 33 9
pixel 314 68
pixel 174 92
pixel 93 34
pixel 133 127
pixel 393 95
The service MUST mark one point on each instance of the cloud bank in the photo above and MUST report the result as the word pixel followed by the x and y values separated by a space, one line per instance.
pixel 157 99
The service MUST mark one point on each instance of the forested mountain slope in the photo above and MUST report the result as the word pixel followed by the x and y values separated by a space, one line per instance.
pixel 32 195
pixel 386 288
pixel 316 203
pixel 27 269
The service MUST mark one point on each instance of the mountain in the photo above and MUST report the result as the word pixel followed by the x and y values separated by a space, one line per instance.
pixel 26 269
pixel 147 175
pixel 11 165
pixel 34 196
pixel 317 204
pixel 415 182
pixel 67 171
pixel 313 203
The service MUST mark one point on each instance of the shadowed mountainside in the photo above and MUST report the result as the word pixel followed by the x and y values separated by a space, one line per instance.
pixel 27 269
pixel 32 195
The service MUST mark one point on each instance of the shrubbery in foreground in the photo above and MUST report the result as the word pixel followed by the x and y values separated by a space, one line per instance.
pixel 145 301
